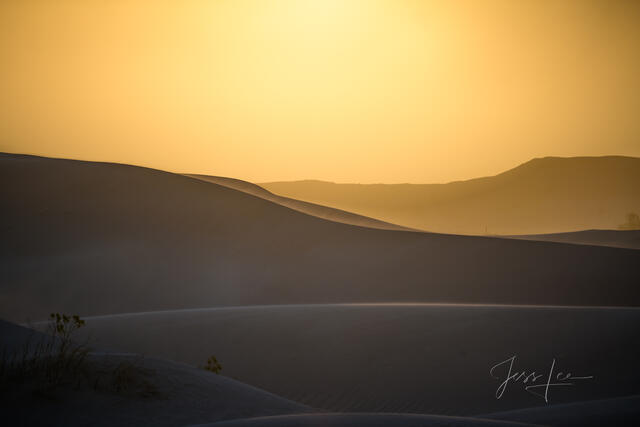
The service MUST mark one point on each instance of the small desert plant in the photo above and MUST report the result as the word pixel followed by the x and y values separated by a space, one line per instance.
pixel 69 356
pixel 633 222
pixel 63 326
pixel 213 365
pixel 51 359
pixel 50 365
pixel 132 378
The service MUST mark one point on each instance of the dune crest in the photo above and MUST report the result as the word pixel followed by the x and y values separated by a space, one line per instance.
pixel 313 209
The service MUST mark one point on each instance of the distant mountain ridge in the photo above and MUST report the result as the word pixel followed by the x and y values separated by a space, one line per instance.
pixel 541 196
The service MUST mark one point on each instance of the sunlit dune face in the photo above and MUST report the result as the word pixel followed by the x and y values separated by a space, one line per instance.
pixel 351 90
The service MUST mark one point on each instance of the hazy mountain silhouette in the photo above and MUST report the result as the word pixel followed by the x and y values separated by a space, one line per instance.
pixel 547 195
pixel 97 238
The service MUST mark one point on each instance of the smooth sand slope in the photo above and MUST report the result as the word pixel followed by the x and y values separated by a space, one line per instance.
pixel 621 411
pixel 368 420
pixel 319 211
pixel 162 393
pixel 180 395
pixel 547 195
pixel 614 238
pixel 98 238
pixel 395 358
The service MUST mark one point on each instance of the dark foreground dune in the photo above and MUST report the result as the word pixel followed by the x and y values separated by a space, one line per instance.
pixel 163 393
pixel 174 394
pixel 395 358
pixel 368 420
pixel 98 238
pixel 621 411
pixel 375 361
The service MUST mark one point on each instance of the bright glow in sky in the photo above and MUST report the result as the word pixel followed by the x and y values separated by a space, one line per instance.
pixel 340 90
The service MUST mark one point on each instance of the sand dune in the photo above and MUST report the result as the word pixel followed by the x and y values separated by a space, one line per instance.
pixel 99 238
pixel 394 358
pixel 547 195
pixel 178 395
pixel 181 395
pixel 319 211
pixel 368 420
pixel 615 238
pixel 620 412
pixel 629 239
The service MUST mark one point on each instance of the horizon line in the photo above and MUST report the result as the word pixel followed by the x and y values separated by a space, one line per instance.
pixel 261 182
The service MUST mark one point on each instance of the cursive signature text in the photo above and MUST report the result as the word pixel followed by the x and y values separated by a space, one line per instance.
pixel 535 383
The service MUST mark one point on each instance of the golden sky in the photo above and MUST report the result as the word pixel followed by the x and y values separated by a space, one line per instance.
pixel 347 91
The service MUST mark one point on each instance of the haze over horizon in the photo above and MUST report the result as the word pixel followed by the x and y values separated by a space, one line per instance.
pixel 276 213
pixel 342 91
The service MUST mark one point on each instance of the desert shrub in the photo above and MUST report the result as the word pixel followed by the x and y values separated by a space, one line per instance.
pixel 633 222
pixel 50 359
pixel 130 377
pixel 212 365
pixel 69 356
pixel 51 365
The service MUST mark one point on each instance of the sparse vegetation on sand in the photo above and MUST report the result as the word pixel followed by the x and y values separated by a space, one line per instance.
pixel 633 222
pixel 52 359
pixel 52 363
pixel 213 365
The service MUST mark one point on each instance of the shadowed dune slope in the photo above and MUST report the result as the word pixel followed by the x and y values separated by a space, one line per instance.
pixel 430 359
pixel 325 212
pixel 364 420
pixel 546 195
pixel 181 395
pixel 619 412
pixel 614 238
pixel 98 238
